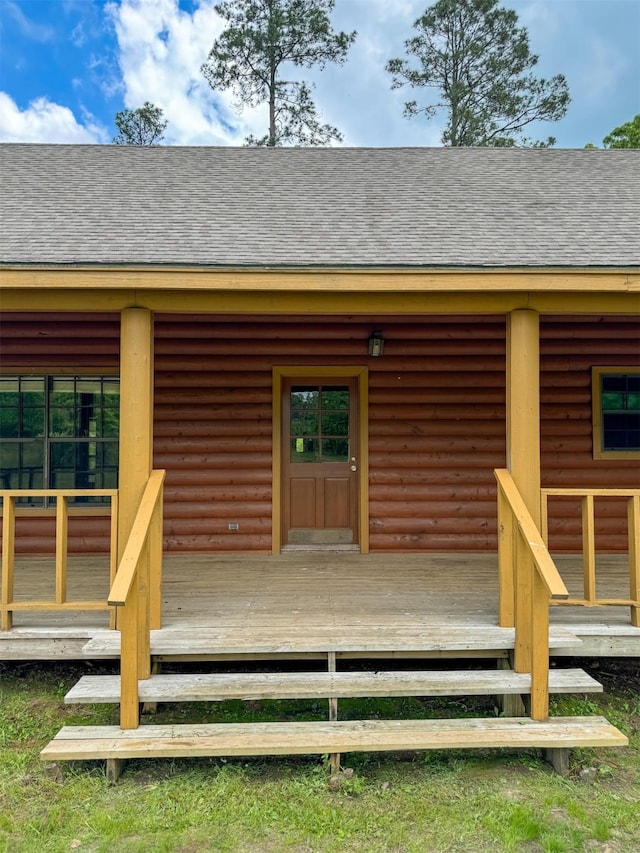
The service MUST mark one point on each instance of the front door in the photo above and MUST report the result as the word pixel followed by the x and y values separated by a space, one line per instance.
pixel 320 462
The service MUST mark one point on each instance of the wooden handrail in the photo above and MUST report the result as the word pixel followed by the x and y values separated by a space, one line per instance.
pixel 7 603
pixel 125 574
pixel 533 581
pixel 130 592
pixel 547 569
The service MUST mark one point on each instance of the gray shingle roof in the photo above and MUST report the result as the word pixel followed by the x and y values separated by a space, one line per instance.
pixel 299 207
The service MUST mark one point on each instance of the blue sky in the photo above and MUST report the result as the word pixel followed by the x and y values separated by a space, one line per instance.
pixel 67 66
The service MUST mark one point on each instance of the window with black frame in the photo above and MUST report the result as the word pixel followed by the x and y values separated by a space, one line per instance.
pixel 616 412
pixel 59 432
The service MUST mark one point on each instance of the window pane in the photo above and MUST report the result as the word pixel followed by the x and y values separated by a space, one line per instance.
pixel 89 385
pixel 62 421
pixel 61 391
pixel 32 423
pixel 304 423
pixel 633 402
pixel 33 454
pixel 335 423
pixel 304 398
pixel 9 464
pixel 613 382
pixel 305 450
pixel 62 456
pixel 110 423
pixel 335 397
pixel 612 401
pixel 110 451
pixel 9 423
pixel 335 450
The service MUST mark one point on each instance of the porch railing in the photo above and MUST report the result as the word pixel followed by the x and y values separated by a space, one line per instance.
pixel 136 594
pixel 60 602
pixel 587 498
pixel 529 581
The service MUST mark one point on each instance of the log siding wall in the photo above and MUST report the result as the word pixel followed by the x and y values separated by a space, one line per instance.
pixel 436 420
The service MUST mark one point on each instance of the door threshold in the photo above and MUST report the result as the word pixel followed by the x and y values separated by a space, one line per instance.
pixel 320 548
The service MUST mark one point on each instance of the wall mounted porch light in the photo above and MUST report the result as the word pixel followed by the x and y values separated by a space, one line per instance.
pixel 376 344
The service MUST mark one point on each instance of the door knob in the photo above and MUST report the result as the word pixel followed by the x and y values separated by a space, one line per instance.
pixel 354 467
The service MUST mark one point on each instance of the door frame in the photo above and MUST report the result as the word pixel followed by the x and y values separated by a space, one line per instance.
pixel 305 373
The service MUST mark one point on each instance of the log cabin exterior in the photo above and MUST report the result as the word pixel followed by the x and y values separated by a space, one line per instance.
pixel 325 349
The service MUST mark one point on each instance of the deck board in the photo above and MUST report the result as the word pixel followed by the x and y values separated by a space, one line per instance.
pixel 328 601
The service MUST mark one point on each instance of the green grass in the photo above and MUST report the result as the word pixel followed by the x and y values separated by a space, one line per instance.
pixel 413 802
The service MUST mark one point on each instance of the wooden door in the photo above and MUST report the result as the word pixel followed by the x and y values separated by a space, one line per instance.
pixel 320 462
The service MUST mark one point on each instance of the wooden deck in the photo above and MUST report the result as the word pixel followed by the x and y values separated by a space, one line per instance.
pixel 312 603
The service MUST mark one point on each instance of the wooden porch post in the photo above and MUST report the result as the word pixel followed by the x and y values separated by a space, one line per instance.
pixel 136 415
pixel 523 457
pixel 136 447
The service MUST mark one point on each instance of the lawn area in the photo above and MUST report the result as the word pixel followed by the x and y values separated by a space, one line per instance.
pixel 407 803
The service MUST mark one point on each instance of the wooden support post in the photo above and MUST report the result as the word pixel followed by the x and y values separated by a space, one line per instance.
pixel 62 530
pixel 539 650
pixel 136 416
pixel 8 561
pixel 633 516
pixel 129 662
pixel 558 758
pixel 115 766
pixel 152 707
pixel 510 704
pixel 136 449
pixel 334 758
pixel 523 455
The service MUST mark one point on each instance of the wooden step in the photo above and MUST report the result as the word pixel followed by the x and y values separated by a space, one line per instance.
pixel 317 738
pixel 365 639
pixel 219 687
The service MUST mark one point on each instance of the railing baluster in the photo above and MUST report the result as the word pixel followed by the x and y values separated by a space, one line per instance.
pixel 544 518
pixel 62 533
pixel 155 557
pixel 8 559
pixel 589 549
pixel 113 557
pixel 506 563
pixel 633 517
pixel 523 651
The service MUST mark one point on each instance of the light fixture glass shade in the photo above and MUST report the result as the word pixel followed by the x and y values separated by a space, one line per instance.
pixel 376 344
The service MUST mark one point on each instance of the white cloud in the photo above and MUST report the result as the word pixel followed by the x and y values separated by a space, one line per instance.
pixel 161 50
pixel 36 32
pixel 44 121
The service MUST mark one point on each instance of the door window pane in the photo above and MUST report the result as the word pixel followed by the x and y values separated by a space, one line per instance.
pixel 305 450
pixel 335 450
pixel 319 423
